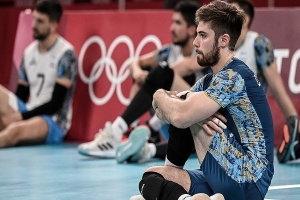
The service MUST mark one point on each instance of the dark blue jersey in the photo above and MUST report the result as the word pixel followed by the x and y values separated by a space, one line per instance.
pixel 244 104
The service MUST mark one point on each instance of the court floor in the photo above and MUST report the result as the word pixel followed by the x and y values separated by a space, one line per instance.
pixel 47 172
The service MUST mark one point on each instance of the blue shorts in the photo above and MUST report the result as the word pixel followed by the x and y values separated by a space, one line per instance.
pixel 212 178
pixel 55 133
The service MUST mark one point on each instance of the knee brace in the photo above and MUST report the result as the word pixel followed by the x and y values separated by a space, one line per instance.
pixel 160 77
pixel 153 186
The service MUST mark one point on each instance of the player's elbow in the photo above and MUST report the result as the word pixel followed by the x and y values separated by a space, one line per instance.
pixel 179 121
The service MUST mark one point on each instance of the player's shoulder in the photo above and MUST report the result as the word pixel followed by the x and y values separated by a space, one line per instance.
pixel 31 47
pixel 65 43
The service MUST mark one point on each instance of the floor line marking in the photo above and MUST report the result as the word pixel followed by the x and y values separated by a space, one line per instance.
pixel 279 187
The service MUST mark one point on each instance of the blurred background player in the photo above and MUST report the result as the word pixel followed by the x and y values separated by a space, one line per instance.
pixel 173 67
pixel 46 83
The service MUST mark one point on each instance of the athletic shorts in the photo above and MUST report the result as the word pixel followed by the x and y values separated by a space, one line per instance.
pixel 55 134
pixel 211 178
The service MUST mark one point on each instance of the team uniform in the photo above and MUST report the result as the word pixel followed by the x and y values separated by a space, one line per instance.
pixel 257 52
pixel 239 162
pixel 40 70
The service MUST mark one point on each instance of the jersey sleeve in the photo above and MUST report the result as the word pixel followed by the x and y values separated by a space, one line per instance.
pixel 22 72
pixel 264 52
pixel 225 87
pixel 163 53
pixel 67 66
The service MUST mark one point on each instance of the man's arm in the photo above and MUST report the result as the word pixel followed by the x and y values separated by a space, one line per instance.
pixel 186 66
pixel 183 113
pixel 136 71
pixel 278 90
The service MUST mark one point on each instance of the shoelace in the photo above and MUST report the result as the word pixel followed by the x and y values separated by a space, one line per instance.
pixel 102 133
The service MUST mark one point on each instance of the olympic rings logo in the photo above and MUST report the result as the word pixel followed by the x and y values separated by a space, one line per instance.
pixel 106 62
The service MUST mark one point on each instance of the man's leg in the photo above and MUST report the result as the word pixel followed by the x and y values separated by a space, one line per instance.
pixel 4 101
pixel 105 145
pixel 31 131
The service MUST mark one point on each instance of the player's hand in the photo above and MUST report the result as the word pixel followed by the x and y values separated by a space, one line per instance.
pixel 215 123
pixel 139 75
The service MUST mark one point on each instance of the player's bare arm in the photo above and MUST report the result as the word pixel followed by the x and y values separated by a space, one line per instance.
pixel 182 114
pixel 67 83
pixel 186 66
pixel 136 71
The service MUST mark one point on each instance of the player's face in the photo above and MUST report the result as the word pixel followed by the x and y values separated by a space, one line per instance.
pixel 208 52
pixel 179 29
pixel 41 26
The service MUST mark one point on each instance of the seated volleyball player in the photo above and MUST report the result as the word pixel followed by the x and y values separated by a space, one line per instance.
pixel 236 162
pixel 40 110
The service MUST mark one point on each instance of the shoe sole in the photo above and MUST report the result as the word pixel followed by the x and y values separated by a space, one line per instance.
pixel 97 154
pixel 286 147
pixel 137 139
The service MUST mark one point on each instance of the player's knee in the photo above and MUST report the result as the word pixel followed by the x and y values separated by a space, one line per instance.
pixel 159 77
pixel 151 184
pixel 154 186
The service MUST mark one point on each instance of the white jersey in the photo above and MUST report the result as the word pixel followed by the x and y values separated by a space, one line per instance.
pixel 246 51
pixel 40 70
pixel 257 52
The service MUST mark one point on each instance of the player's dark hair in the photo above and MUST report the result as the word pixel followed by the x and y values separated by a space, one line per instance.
pixel 246 6
pixel 52 8
pixel 223 18
pixel 187 9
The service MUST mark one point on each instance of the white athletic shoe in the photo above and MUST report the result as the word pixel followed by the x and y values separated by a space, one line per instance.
pixel 103 146
pixel 129 150
pixel 137 197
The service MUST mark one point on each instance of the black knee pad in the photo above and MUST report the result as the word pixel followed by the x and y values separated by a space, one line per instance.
pixel 153 186
pixel 160 77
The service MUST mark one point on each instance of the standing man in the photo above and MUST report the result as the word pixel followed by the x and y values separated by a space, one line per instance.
pixel 236 162
pixel 40 111
pixel 258 53
pixel 173 67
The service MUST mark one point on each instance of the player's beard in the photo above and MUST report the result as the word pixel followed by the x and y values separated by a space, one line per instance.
pixel 211 58
pixel 182 42
pixel 40 36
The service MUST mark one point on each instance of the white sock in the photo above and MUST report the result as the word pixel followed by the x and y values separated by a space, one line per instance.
pixel 155 123
pixel 152 148
pixel 119 127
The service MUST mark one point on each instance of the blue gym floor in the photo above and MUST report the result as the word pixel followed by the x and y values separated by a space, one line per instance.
pixel 47 172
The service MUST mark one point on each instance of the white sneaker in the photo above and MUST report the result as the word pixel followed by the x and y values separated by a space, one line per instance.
pixel 103 146
pixel 129 150
pixel 137 197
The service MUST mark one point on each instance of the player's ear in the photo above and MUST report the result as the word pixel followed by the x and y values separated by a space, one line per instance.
pixel 192 30
pixel 224 40
pixel 53 26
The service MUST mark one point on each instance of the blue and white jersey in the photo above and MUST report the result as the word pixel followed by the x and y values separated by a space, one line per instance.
pixel 244 104
pixel 257 52
pixel 40 71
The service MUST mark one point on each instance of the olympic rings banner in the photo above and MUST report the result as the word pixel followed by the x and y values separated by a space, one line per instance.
pixel 106 42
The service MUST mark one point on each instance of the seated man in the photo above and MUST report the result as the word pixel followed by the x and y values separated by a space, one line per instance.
pixel 47 76
pixel 236 162
pixel 180 56
pixel 258 53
